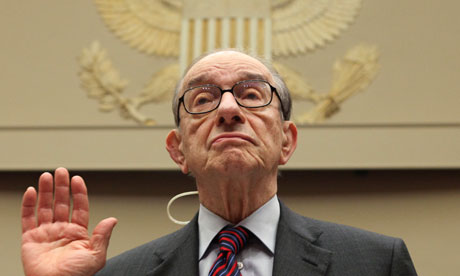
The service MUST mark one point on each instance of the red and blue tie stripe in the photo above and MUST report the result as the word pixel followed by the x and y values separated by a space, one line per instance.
pixel 231 241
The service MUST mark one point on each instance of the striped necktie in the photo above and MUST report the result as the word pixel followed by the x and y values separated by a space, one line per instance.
pixel 231 241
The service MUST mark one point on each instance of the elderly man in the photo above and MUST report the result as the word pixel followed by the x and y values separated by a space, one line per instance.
pixel 232 143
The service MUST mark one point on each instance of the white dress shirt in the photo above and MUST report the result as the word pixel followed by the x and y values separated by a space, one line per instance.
pixel 256 258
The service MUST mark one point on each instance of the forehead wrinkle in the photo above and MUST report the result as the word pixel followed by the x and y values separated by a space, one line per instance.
pixel 207 78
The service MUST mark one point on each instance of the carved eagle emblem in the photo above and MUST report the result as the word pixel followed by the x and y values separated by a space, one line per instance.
pixel 272 29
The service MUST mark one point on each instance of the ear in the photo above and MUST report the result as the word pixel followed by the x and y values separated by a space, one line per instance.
pixel 289 141
pixel 174 147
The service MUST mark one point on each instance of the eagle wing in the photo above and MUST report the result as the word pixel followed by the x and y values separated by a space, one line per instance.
pixel 152 27
pixel 300 26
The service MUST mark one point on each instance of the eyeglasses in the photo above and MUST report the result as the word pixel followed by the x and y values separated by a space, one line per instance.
pixel 248 93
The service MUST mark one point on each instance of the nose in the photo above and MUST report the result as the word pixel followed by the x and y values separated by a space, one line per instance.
pixel 229 112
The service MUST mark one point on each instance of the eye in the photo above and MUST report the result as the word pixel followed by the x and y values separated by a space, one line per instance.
pixel 251 94
pixel 203 98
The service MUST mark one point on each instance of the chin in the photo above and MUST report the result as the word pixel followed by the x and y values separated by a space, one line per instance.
pixel 235 163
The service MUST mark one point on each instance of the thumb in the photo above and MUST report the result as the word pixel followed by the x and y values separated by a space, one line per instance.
pixel 101 235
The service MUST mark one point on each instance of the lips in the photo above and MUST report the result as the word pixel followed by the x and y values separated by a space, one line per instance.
pixel 231 136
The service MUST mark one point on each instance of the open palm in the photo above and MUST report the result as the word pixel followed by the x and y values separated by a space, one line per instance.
pixel 51 244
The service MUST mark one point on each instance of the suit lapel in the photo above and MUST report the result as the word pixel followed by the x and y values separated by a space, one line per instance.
pixel 296 253
pixel 180 256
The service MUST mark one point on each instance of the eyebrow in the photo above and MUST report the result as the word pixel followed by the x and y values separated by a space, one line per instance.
pixel 207 79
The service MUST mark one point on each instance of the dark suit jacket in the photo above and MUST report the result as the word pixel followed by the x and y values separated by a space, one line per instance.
pixel 304 246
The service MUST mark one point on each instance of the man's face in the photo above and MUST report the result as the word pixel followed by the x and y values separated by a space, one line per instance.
pixel 230 139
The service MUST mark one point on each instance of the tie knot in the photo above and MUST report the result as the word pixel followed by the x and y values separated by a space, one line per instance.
pixel 233 239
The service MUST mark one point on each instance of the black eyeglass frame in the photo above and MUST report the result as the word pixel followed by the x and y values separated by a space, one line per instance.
pixel 222 91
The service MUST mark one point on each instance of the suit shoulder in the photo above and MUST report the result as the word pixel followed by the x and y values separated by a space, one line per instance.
pixel 369 253
pixel 335 232
pixel 144 258
pixel 325 230
pixel 353 251
pixel 341 239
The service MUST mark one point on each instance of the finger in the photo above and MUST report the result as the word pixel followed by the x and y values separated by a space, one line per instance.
pixel 28 219
pixel 45 199
pixel 80 211
pixel 61 195
pixel 101 236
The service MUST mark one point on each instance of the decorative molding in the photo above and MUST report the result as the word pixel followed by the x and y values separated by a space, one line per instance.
pixel 142 147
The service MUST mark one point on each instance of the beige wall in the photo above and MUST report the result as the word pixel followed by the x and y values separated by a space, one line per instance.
pixel 422 207
pixel 409 116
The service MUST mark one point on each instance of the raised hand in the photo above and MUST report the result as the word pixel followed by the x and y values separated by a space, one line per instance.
pixel 51 244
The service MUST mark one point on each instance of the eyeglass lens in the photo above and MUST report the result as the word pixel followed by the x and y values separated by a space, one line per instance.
pixel 247 93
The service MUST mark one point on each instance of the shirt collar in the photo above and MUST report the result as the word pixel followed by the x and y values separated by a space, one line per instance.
pixel 263 223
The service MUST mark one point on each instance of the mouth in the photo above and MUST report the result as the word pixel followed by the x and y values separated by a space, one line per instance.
pixel 232 137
